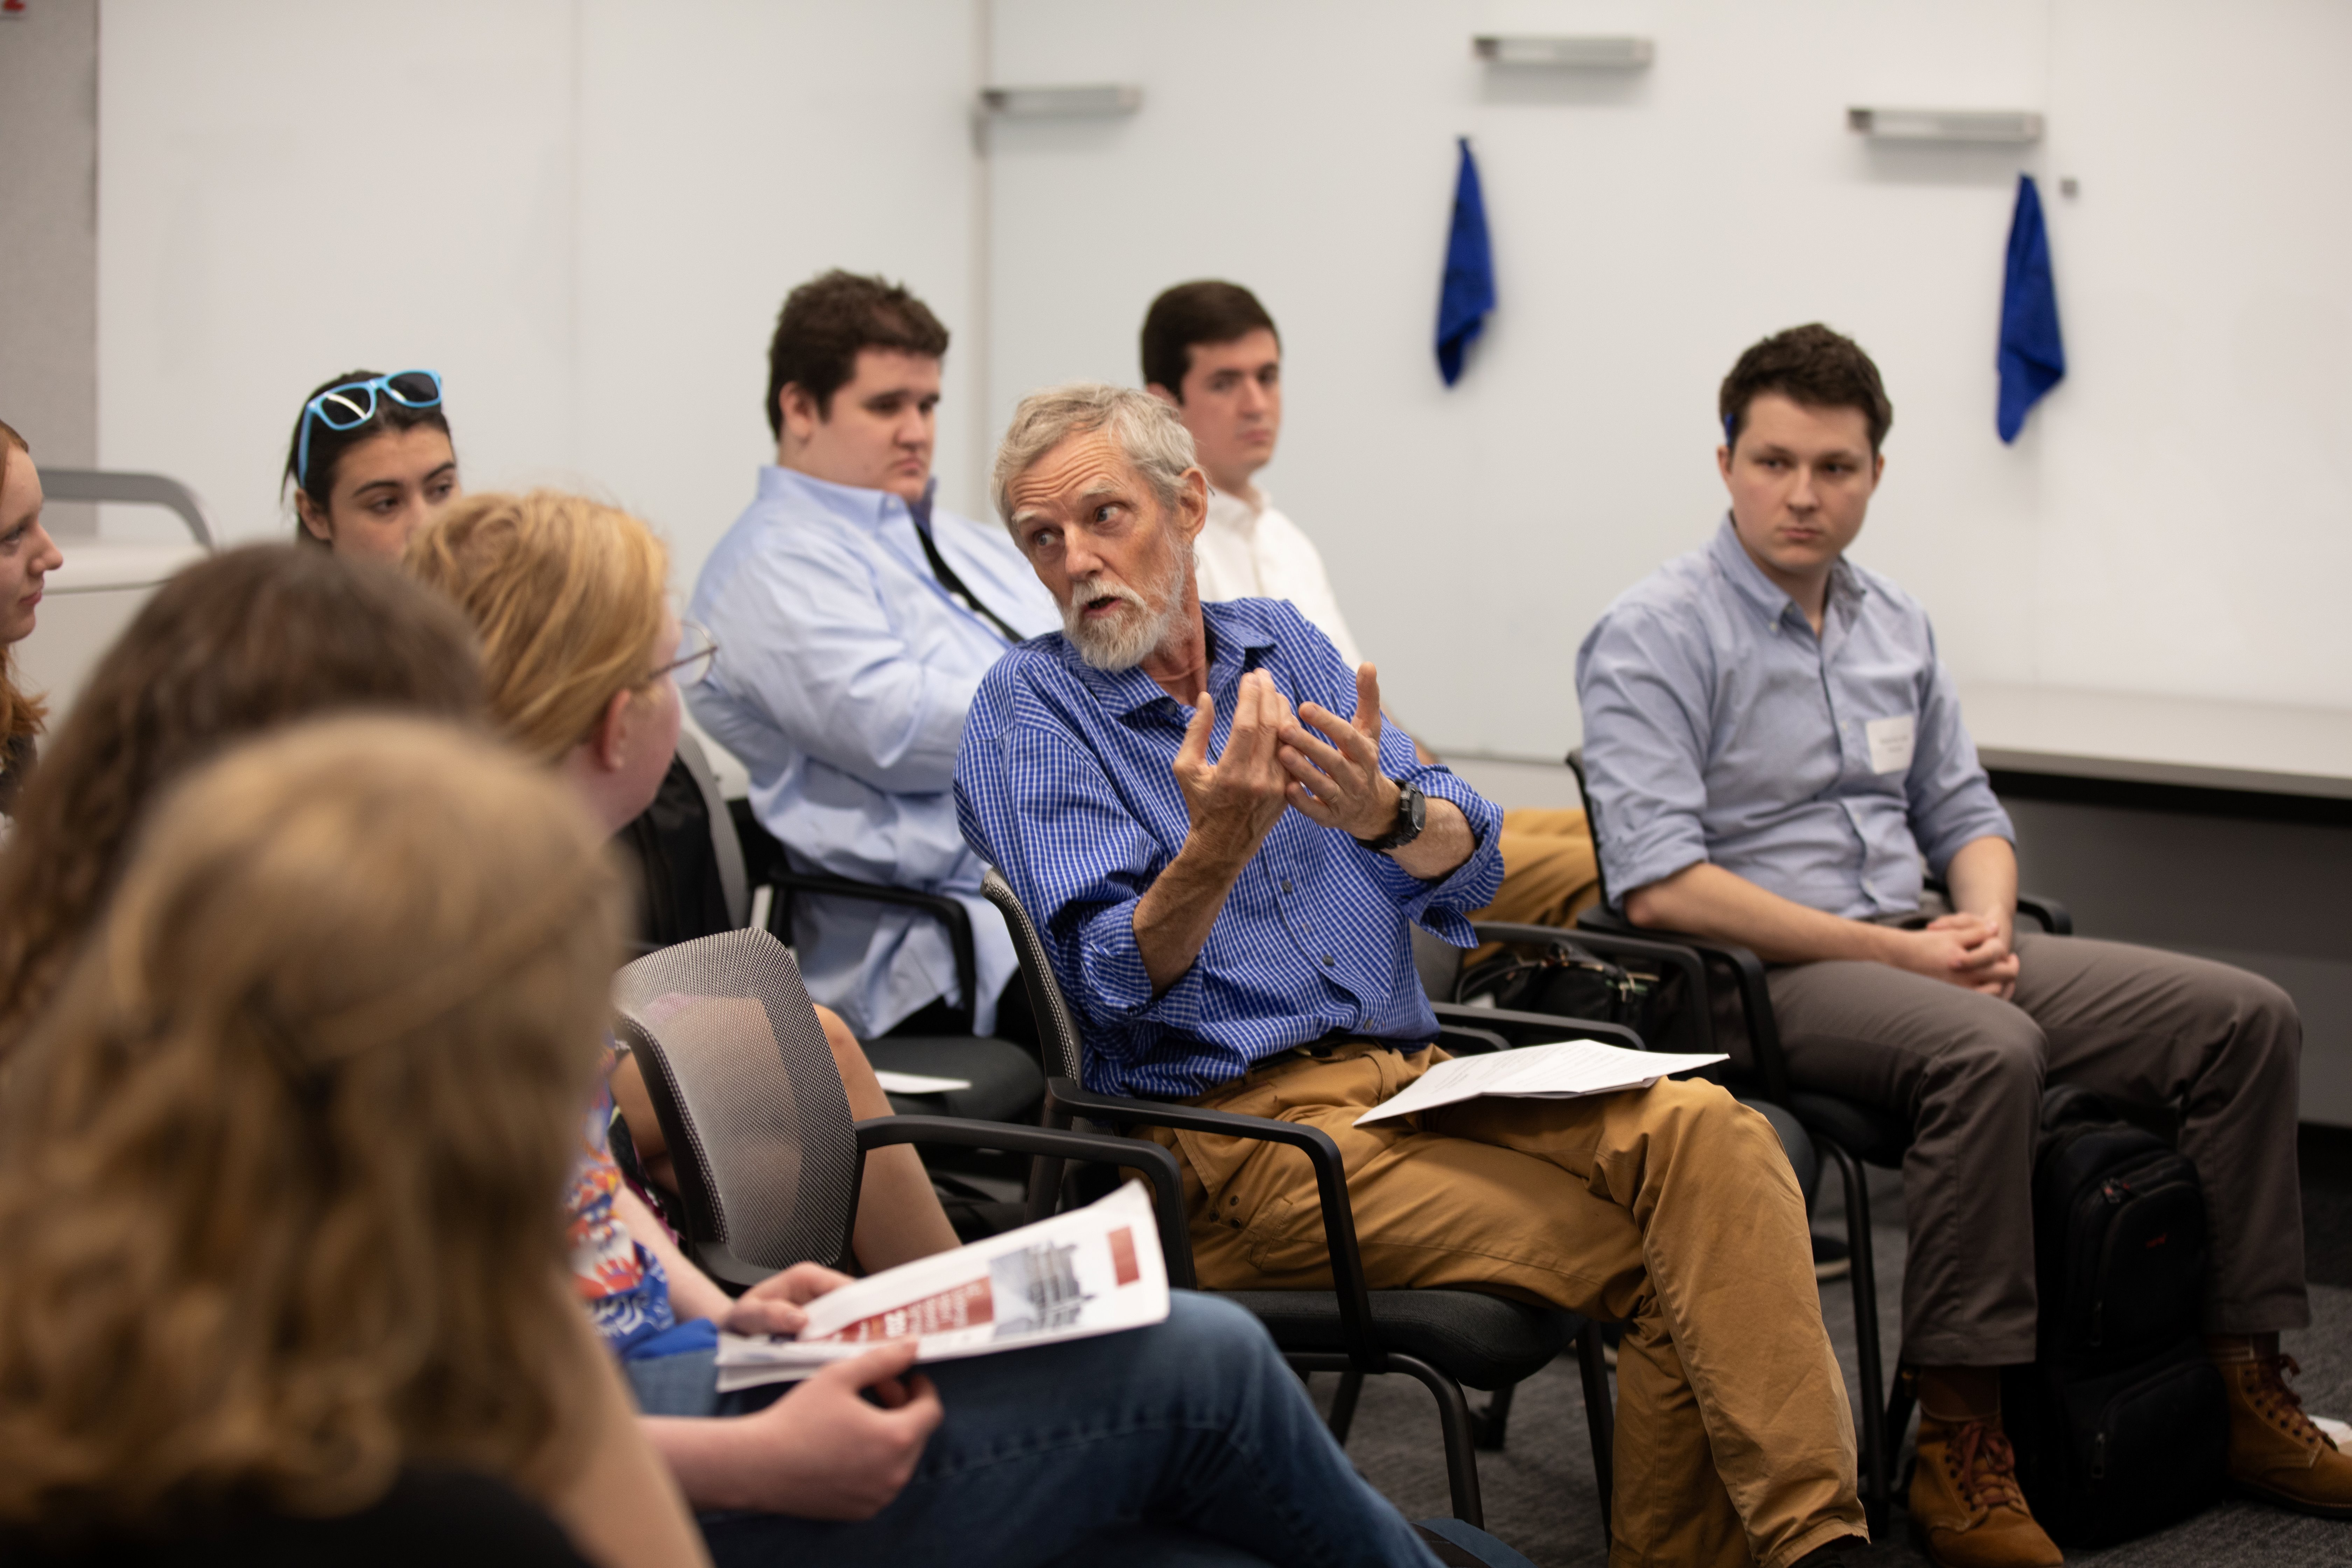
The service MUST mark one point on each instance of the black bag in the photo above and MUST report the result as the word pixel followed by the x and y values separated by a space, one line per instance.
pixel 1562 977
pixel 2119 1424
pixel 680 895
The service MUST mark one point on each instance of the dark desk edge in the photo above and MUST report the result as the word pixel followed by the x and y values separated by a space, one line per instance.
pixel 2243 794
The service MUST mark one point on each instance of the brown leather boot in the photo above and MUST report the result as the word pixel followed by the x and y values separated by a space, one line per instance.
pixel 2275 1452
pixel 1966 1510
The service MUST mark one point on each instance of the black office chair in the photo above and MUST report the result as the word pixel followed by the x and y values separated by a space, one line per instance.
pixel 1444 1339
pixel 767 1160
pixel 1851 1132
pixel 1007 1084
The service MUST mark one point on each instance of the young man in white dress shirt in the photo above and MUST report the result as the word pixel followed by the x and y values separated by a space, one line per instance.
pixel 1210 348
pixel 853 621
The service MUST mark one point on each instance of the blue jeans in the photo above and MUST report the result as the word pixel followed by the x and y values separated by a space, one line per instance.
pixel 1193 1429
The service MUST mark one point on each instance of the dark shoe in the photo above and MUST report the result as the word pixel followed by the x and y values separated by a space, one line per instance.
pixel 2275 1452
pixel 1966 1509
pixel 1831 1258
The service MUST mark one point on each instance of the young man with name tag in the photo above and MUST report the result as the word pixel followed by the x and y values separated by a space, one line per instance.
pixel 1774 750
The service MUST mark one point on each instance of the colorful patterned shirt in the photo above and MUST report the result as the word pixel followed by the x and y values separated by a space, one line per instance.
pixel 623 1285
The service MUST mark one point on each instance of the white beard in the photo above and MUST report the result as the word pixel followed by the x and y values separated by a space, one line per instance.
pixel 1128 639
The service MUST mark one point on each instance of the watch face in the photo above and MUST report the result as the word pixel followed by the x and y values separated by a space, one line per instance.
pixel 1416 807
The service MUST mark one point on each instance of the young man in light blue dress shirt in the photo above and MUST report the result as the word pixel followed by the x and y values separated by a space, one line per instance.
pixel 1775 754
pixel 855 621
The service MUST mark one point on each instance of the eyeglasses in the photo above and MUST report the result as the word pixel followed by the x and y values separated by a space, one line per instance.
pixel 697 655
pixel 352 405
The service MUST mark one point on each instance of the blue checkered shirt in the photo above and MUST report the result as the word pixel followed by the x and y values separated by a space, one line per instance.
pixel 1064 783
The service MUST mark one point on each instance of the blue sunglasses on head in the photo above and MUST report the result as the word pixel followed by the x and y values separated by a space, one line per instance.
pixel 352 405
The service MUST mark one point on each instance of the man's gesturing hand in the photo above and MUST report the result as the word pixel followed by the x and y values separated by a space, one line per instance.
pixel 1235 801
pixel 1340 783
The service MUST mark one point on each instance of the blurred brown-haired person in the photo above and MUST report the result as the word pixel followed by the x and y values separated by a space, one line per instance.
pixel 245 640
pixel 278 1180
pixel 28 555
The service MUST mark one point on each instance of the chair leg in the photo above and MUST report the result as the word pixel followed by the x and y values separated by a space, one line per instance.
pixel 1454 1423
pixel 1599 1418
pixel 1875 1457
pixel 1343 1405
pixel 1490 1425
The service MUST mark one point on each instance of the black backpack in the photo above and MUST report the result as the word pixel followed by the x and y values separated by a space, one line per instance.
pixel 2119 1424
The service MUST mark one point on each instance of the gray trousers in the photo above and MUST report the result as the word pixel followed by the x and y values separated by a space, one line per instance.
pixel 2141 1025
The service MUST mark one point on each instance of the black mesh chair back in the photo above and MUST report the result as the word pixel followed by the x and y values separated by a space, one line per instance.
pixel 750 1101
pixel 1057 1030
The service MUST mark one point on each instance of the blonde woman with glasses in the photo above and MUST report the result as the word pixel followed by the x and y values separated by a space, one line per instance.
pixel 278 1174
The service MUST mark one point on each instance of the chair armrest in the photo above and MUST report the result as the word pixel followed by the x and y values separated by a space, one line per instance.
pixel 950 913
pixel 2049 913
pixel 1460 1039
pixel 1065 1097
pixel 1158 1166
pixel 764 862
pixel 2055 918
pixel 1747 980
pixel 1515 1026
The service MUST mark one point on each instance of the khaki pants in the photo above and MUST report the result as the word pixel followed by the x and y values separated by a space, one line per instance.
pixel 1670 1210
pixel 1967 1070
pixel 1550 875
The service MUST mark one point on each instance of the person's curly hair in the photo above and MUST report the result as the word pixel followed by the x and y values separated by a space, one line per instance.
pixel 281 1168
pixel 247 640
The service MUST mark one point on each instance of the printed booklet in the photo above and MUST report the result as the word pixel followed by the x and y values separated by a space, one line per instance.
pixel 1095 1270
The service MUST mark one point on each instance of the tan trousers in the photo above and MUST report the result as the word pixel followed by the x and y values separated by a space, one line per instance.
pixel 1670 1210
pixel 1550 875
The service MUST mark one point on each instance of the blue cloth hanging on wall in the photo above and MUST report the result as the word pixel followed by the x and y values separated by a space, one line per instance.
pixel 1468 291
pixel 2033 358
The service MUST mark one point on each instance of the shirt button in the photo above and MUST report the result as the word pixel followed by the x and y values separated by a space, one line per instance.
pixel 1285 886
pixel 1329 962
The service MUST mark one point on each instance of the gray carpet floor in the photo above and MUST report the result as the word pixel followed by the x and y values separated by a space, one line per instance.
pixel 1540 1493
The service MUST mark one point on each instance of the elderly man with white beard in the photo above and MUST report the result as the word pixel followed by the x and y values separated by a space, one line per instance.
pixel 1225 867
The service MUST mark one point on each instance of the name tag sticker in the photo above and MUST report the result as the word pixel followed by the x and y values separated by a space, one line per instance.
pixel 1891 740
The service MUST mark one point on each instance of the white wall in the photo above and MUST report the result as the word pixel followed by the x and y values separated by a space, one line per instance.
pixel 2174 518
pixel 583 213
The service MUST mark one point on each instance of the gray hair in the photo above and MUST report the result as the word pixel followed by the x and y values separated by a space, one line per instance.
pixel 1146 428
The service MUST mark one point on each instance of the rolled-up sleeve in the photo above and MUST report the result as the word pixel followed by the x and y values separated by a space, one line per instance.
pixel 1951 802
pixel 1643 684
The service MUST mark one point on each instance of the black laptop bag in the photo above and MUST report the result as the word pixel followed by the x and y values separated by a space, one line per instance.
pixel 2119 1424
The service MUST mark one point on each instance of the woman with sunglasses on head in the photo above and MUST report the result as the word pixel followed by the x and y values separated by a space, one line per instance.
pixel 370 461
pixel 28 555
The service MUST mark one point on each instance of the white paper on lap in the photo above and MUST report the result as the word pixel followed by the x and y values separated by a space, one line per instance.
pixel 1570 1069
